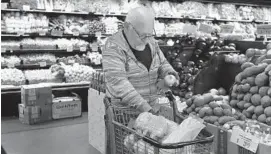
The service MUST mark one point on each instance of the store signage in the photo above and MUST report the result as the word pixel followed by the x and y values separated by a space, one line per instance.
pixel 83 49
pixel 205 28
pixel 69 48
pixel 227 29
pixel 43 64
pixel 264 29
pixel 26 7
pixel 245 140
pixel 58 33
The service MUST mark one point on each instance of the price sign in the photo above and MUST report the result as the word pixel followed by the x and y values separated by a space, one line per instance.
pixel 71 61
pixel 83 49
pixel 98 34
pixel 42 33
pixel 69 48
pixel 20 33
pixel 245 140
pixel 190 29
pixel 11 65
pixel 3 50
pixel 43 64
pixel 264 29
pixel 55 32
pixel 205 28
pixel 26 7
pixel 227 28
pixel 75 33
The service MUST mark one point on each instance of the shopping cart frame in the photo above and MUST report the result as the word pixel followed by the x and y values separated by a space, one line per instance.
pixel 111 124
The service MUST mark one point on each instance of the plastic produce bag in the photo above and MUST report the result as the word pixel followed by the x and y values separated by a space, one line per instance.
pixel 188 130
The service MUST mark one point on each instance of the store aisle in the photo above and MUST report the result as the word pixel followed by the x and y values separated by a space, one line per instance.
pixel 68 139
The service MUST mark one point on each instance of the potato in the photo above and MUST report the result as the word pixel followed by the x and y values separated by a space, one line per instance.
pixel 259 110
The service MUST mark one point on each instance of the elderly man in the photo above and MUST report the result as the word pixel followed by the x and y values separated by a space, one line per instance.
pixel 133 62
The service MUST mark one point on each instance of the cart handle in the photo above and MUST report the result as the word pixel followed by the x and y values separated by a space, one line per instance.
pixel 177 145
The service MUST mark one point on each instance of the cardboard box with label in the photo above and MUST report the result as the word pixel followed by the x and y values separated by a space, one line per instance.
pixel 29 114
pixel 66 107
pixel 36 95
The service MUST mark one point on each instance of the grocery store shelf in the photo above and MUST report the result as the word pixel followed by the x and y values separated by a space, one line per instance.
pixel 124 15
pixel 55 86
pixel 45 66
pixel 26 51
pixel 16 35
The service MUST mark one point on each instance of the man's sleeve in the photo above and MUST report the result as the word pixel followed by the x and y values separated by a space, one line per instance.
pixel 116 80
pixel 165 68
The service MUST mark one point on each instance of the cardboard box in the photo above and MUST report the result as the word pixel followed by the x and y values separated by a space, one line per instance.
pixel 46 112
pixel 32 95
pixel 66 107
pixel 29 114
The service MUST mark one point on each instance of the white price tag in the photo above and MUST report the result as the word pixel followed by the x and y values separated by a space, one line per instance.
pixel 227 28
pixel 3 50
pixel 69 48
pixel 20 33
pixel 43 64
pixel 75 33
pixel 189 29
pixel 83 49
pixel 11 65
pixel 71 61
pixel 245 140
pixel 264 29
pixel 205 28
pixel 42 33
pixel 26 7
pixel 98 34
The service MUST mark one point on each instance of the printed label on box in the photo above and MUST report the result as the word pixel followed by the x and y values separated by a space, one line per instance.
pixel 245 140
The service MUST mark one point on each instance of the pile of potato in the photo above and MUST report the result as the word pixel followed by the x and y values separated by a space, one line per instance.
pixel 252 92
pixel 213 107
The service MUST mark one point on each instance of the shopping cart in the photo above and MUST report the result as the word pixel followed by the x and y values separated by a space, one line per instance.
pixel 118 121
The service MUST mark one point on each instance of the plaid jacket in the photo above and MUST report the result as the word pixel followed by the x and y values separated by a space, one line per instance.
pixel 128 79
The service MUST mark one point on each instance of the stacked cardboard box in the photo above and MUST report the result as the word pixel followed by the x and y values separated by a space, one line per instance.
pixel 36 104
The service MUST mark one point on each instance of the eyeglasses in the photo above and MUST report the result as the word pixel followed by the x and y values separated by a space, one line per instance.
pixel 144 36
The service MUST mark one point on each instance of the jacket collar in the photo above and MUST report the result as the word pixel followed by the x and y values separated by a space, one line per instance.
pixel 119 40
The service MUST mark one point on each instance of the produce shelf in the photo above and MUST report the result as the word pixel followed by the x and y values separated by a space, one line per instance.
pixel 27 51
pixel 4 34
pixel 124 15
pixel 7 89
pixel 41 66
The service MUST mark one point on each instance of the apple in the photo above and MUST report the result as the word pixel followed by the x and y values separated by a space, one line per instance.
pixel 170 80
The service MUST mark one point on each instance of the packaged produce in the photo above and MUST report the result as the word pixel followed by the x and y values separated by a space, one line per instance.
pixel 78 73
pixel 10 61
pixel 41 76
pixel 12 77
pixel 37 58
